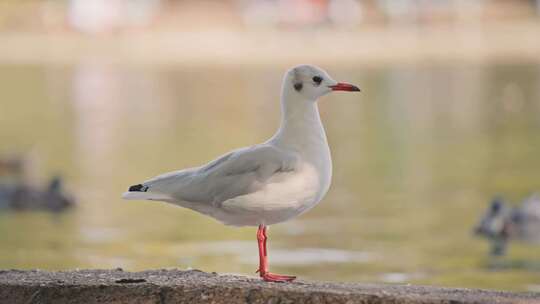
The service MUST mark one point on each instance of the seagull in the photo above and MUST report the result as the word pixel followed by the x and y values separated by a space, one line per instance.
pixel 267 183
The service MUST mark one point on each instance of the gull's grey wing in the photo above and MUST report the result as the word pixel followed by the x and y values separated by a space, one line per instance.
pixel 236 173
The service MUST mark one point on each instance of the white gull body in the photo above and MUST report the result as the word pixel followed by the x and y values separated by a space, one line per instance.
pixel 266 183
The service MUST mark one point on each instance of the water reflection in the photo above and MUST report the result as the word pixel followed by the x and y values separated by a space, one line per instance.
pixel 416 155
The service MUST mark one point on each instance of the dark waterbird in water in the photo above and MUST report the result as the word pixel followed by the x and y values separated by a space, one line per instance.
pixel 23 196
pixel 502 223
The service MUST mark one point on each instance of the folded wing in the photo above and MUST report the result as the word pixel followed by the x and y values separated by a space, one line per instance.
pixel 236 173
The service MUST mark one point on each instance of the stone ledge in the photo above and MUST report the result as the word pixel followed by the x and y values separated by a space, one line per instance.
pixel 193 286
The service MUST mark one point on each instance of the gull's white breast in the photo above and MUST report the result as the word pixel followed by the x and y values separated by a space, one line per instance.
pixel 276 201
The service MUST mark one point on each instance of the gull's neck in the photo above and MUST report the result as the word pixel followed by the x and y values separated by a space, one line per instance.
pixel 301 128
pixel 301 131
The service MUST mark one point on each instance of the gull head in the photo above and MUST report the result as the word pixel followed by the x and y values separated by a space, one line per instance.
pixel 312 82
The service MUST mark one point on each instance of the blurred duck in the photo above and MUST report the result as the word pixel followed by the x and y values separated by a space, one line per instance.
pixel 26 197
pixel 502 223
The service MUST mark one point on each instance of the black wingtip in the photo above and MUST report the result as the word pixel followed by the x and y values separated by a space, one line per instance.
pixel 138 188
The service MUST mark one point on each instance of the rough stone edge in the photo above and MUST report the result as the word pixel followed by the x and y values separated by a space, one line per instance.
pixel 193 286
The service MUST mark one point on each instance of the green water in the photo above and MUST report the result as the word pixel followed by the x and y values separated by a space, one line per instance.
pixel 417 155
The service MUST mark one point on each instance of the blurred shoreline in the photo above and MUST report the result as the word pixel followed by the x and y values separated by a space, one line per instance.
pixel 517 41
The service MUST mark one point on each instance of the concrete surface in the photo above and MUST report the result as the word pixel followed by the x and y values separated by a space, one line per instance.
pixel 194 286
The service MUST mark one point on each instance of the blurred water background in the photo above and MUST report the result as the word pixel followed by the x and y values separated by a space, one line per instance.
pixel 108 93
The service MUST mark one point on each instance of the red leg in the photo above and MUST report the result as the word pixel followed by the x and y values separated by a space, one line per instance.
pixel 261 240
pixel 263 260
pixel 265 238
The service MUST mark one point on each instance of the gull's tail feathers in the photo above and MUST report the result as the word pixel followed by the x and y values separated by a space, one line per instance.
pixel 141 192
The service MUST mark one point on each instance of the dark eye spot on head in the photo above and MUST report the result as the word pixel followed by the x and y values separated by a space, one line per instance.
pixel 317 80
pixel 298 86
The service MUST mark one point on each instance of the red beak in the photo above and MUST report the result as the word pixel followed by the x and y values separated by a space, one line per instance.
pixel 342 86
